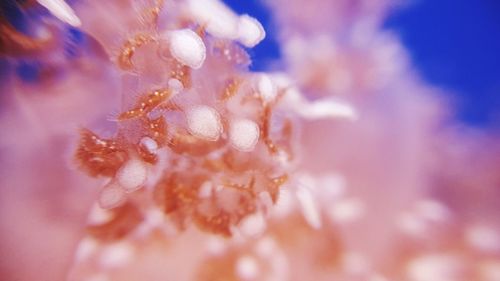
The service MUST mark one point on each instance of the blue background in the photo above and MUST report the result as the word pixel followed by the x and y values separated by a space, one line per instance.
pixel 454 44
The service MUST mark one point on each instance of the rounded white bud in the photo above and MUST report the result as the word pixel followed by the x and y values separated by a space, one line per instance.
pixel 244 134
pixel 204 122
pixel 187 48
pixel 132 175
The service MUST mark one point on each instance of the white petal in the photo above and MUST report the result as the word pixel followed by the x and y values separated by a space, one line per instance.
pixel 321 109
pixel 111 196
pixel 266 88
pixel 328 109
pixel 132 175
pixel 247 268
pixel 117 255
pixel 309 207
pixel 206 190
pixel 150 144
pixel 347 210
pixel 285 204
pixel 175 86
pixel 85 249
pixel 266 247
pixel 62 11
pixel 435 267
pixel 216 17
pixel 250 31
pixel 253 225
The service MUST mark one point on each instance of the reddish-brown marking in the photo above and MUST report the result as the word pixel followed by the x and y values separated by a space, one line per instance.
pixel 129 47
pixel 182 73
pixel 146 104
pixel 185 143
pixel 150 15
pixel 231 87
pixel 219 223
pixel 245 188
pixel 157 130
pixel 178 195
pixel 99 157
pixel 274 187
pixel 265 130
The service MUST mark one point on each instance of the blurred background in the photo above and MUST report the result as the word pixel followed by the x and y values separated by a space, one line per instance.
pixel 453 44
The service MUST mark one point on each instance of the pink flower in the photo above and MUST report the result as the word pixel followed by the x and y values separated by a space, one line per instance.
pixel 158 154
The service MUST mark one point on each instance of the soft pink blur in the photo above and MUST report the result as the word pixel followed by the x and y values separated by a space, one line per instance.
pixel 401 192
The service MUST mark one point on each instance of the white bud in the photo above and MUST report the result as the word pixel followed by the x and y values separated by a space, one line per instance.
pixel 321 109
pixel 216 17
pixel 285 204
pixel 266 247
pixel 175 86
pixel 187 47
pixel 253 225
pixel 204 122
pixel 132 175
pixel 117 255
pixel 244 134
pixel 206 190
pixel 111 196
pixel 247 268
pixel 85 249
pixel 328 109
pixel 266 87
pixel 250 31
pixel 150 144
